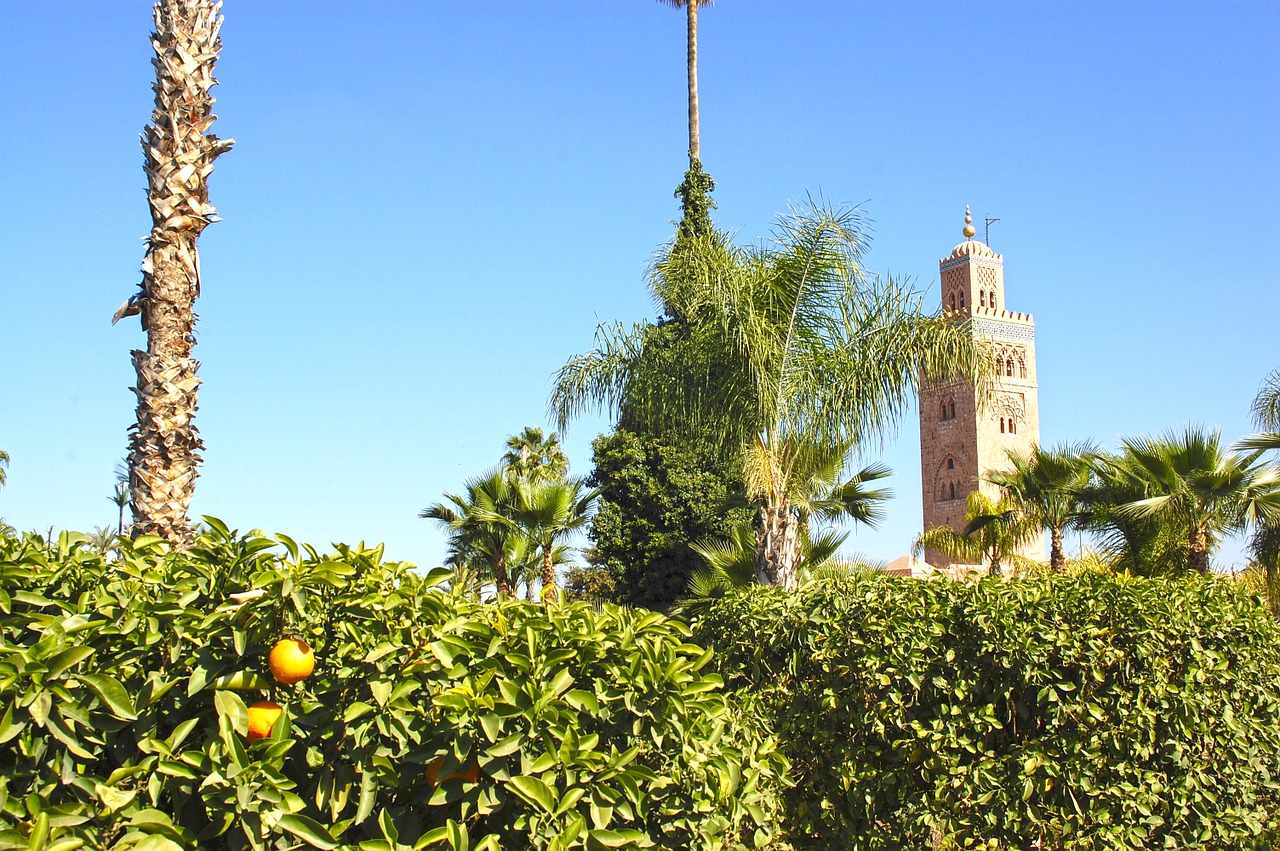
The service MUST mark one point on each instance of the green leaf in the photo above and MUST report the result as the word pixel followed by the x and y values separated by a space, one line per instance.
pixel 232 711
pixel 308 830
pixel 66 660
pixel 580 700
pixel 535 792
pixel 112 693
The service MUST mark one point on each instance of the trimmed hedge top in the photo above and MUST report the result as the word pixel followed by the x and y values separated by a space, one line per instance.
pixel 431 720
pixel 1088 712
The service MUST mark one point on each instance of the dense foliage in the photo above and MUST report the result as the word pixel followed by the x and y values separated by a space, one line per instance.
pixel 656 498
pixel 1084 712
pixel 431 721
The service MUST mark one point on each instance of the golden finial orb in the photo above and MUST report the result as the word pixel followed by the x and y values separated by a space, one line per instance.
pixel 969 229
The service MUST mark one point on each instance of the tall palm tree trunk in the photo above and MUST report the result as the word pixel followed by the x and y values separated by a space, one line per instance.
pixel 777 545
pixel 692 54
pixel 164 444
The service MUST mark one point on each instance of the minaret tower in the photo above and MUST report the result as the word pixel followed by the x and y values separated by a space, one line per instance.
pixel 963 438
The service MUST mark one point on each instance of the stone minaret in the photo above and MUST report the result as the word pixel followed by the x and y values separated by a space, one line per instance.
pixel 961 437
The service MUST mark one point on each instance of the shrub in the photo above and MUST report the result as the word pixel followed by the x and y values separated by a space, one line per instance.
pixel 431 721
pixel 1086 712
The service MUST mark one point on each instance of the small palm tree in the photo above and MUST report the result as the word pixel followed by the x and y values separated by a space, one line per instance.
pixel 993 534
pixel 120 495
pixel 1046 486
pixel 1207 490
pixel 534 457
pixel 4 463
pixel 164 445
pixel 480 526
pixel 547 512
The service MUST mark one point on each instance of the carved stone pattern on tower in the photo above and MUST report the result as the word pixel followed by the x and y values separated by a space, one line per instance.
pixel 986 276
pixel 1007 405
pixel 1006 331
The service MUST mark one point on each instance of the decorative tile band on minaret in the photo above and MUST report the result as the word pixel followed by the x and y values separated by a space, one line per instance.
pixel 961 440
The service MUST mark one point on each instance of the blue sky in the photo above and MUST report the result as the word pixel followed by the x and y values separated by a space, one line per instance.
pixel 430 205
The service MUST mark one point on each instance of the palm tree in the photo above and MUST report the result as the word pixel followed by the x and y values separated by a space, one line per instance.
pixel 818 498
pixel 1266 406
pixel 4 463
pixel 993 533
pixel 790 348
pixel 691 56
pixel 1143 546
pixel 120 495
pixel 480 528
pixel 179 152
pixel 1204 488
pixel 532 456
pixel 545 513
pixel 1046 487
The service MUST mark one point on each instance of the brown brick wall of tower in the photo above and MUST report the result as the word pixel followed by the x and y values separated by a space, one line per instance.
pixel 963 438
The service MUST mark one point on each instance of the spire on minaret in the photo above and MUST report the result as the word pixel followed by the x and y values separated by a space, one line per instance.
pixel 969 229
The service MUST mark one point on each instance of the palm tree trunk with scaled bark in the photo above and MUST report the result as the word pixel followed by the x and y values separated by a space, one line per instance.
pixel 777 545
pixel 550 594
pixel 1198 552
pixel 1057 560
pixel 164 445
pixel 502 577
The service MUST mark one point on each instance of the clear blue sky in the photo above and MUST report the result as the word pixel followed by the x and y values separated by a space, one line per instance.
pixel 431 204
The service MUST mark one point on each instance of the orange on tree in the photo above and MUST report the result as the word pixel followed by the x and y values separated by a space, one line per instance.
pixel 262 717
pixel 291 661
pixel 470 772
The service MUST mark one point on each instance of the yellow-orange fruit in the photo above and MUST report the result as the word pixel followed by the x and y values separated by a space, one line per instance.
pixel 262 717
pixel 470 772
pixel 291 661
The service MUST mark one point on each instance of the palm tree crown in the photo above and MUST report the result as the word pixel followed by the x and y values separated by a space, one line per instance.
pixel 1046 486
pixel 1193 481
pixel 994 531
pixel 791 348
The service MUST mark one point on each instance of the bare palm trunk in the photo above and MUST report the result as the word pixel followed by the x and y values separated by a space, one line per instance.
pixel 995 569
pixel 1198 552
pixel 1057 561
pixel 550 594
pixel 777 545
pixel 504 579
pixel 164 444
pixel 694 146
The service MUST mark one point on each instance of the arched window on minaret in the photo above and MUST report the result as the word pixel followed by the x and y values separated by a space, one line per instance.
pixel 953 410
pixel 953 490
pixel 993 299
pixel 982 298
pixel 1013 429
pixel 962 299
pixel 1008 367
pixel 953 301
pixel 951 463
pixel 1022 368
pixel 1002 425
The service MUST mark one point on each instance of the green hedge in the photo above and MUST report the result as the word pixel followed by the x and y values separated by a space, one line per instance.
pixel 1085 713
pixel 124 684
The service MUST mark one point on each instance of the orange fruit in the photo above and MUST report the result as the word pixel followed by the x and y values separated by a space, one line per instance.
pixel 291 661
pixel 262 717
pixel 470 773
